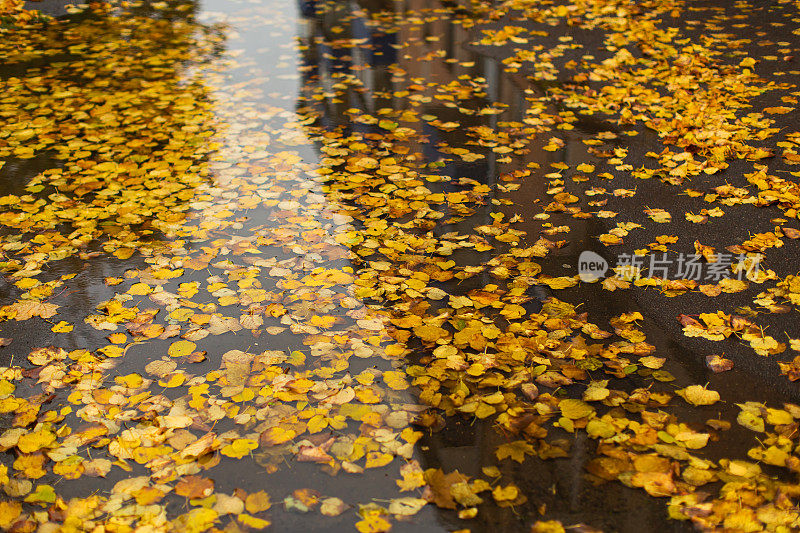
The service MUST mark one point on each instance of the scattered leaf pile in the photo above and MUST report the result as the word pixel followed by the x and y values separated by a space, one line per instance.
pixel 318 254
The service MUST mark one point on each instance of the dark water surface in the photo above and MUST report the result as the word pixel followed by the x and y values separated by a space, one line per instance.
pixel 276 63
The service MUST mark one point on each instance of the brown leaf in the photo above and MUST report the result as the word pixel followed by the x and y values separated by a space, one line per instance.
pixel 718 364
pixel 193 487
pixel 686 320
pixel 440 484
pixel 316 454
pixel 792 233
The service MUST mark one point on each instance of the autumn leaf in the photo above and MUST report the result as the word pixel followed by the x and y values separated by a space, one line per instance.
pixel 26 309
pixel 239 448
pixel 698 395
pixel 252 521
pixel 257 502
pixel 516 450
pixel 575 409
pixel 9 512
pixel 507 493
pixel 193 487
pixel 181 348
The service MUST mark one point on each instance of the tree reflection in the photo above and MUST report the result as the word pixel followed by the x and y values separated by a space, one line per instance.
pixel 107 129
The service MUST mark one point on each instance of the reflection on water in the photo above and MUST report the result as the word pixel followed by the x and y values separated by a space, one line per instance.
pixel 214 179
pixel 106 139
pixel 294 249
pixel 348 46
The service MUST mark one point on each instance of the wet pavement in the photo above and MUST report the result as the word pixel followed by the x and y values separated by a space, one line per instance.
pixel 258 108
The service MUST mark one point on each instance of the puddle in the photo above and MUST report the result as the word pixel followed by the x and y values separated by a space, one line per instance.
pixel 302 179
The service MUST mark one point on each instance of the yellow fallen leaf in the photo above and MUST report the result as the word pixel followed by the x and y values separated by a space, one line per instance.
pixel 26 309
pixel 257 502
pixel 239 448
pixel 181 348
pixel 575 409
pixel 698 395
pixel 252 521
pixel 62 327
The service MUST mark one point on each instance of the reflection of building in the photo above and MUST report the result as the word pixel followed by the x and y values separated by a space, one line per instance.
pixel 347 41
pixel 356 40
pixel 358 62
pixel 361 47
pixel 360 40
